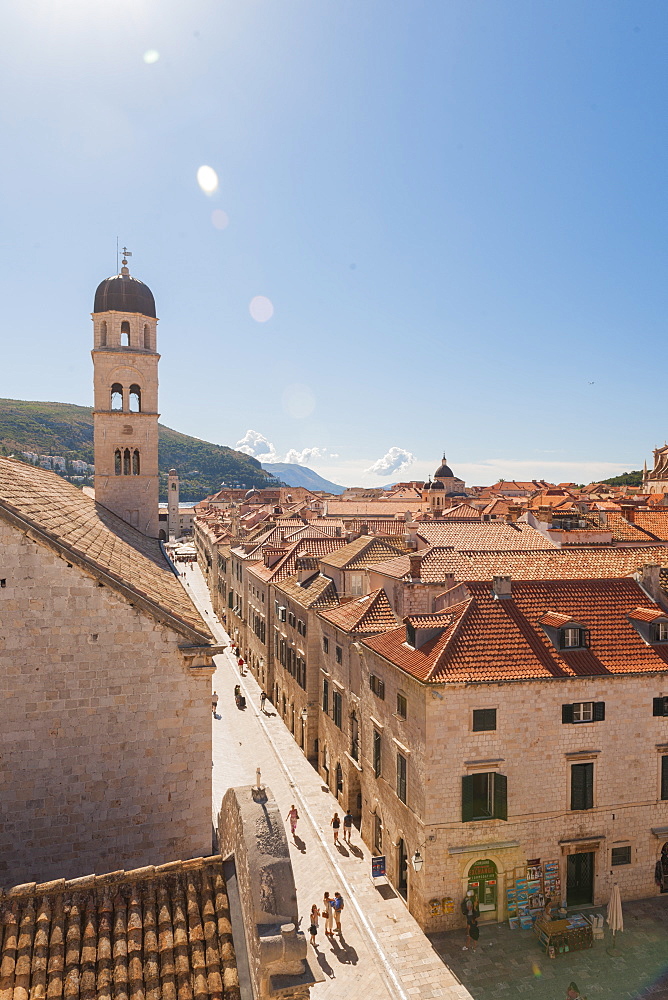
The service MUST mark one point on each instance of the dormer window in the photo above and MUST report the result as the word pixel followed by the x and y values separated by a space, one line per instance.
pixel 573 637
pixel 563 631
pixel 422 628
pixel 651 624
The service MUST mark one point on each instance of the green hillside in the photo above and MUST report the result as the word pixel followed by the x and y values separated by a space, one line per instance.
pixel 67 430
pixel 627 479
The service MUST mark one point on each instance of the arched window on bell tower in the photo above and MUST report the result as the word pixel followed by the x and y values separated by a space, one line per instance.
pixel 117 462
pixel 117 396
pixel 135 399
pixel 147 338
pixel 125 333
pixel 126 462
pixel 103 333
pixel 135 463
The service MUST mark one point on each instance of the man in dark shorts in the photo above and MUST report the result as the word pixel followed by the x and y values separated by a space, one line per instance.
pixel 347 826
pixel 472 934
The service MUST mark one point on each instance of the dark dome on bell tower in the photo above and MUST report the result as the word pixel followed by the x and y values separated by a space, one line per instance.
pixel 123 293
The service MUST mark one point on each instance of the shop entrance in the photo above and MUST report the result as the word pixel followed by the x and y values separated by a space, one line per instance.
pixel 484 881
pixel 580 879
pixel 402 869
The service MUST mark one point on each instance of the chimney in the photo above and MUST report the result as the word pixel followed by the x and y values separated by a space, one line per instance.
pixel 364 529
pixel 649 579
pixel 502 587
pixel 272 554
pixel 307 566
pixel 415 560
pixel 514 511
pixel 629 512
pixel 337 532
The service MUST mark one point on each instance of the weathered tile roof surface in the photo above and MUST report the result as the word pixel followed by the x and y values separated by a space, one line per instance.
pixel 73 523
pixel 487 640
pixel 646 614
pixel 363 551
pixel 316 592
pixel 492 536
pixel 438 562
pixel 654 522
pixel 622 530
pixel 150 934
pixel 371 613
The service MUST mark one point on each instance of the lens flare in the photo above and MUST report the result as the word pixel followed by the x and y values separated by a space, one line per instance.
pixel 220 219
pixel 207 178
pixel 151 56
pixel 261 308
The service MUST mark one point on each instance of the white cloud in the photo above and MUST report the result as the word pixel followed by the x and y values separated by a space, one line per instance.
pixel 394 460
pixel 294 457
pixel 257 446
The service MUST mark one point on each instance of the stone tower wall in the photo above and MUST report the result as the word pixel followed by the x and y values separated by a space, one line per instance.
pixel 133 496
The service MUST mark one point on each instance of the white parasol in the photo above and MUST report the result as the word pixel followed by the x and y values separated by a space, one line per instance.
pixel 615 917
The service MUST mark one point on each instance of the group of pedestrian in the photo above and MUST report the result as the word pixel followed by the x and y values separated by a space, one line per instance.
pixel 332 908
pixel 335 824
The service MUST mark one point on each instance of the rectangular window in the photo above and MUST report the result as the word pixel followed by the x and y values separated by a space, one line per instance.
pixel 356 584
pixel 377 834
pixel 401 777
pixel 484 796
pixel 339 655
pixel 377 753
pixel 336 708
pixel 573 638
pixel 583 711
pixel 660 706
pixel 377 686
pixel 620 856
pixel 325 695
pixel 582 786
pixel 325 644
pixel 664 777
pixel 402 706
pixel 484 719
pixel 661 632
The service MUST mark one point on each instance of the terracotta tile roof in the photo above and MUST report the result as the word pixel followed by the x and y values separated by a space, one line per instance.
pixel 462 512
pixel 377 525
pixel 555 620
pixel 86 533
pixel 287 565
pixel 560 564
pixel 438 563
pixel 364 551
pixel 653 521
pixel 153 933
pixel 426 620
pixel 622 530
pixel 646 614
pixel 346 509
pixel 493 536
pixel 316 592
pixel 372 613
pixel 489 640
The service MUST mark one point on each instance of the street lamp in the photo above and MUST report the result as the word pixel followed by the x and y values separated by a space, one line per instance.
pixel 417 861
pixel 304 717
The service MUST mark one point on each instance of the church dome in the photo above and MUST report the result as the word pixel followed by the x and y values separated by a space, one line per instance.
pixel 444 471
pixel 436 486
pixel 123 293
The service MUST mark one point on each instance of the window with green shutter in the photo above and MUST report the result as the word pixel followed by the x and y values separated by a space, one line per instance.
pixel 484 796
pixel 664 777
pixel 582 786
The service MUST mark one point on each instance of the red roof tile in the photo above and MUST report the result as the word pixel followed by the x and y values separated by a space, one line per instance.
pixel 372 613
pixel 489 640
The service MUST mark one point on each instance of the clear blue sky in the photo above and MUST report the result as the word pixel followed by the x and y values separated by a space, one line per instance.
pixel 457 210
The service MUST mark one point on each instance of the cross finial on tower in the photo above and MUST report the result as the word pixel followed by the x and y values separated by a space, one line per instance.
pixel 126 254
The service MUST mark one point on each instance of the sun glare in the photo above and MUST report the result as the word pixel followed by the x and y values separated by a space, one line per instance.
pixel 207 178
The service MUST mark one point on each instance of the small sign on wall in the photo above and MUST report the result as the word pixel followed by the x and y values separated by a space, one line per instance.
pixel 378 867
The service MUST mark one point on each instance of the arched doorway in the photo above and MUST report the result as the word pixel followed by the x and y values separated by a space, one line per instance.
pixel 483 879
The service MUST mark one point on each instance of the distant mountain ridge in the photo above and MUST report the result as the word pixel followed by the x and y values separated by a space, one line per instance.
pixel 67 430
pixel 299 475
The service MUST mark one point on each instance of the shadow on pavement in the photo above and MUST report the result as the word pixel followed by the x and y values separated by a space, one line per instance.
pixel 324 965
pixel 341 849
pixel 299 844
pixel 356 851
pixel 386 891
pixel 344 952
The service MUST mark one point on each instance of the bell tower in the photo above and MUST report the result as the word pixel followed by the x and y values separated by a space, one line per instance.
pixel 125 414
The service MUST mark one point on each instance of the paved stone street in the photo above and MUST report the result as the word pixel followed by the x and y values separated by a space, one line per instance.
pixel 512 963
pixel 382 954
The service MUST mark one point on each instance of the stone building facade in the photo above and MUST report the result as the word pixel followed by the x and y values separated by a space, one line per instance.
pixel 105 675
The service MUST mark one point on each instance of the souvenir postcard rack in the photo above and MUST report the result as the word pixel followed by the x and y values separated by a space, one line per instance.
pixel 528 889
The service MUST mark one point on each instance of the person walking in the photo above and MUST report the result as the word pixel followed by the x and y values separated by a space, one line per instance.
pixel 337 907
pixel 347 826
pixel 335 824
pixel 293 816
pixel 472 934
pixel 313 925
pixel 214 703
pixel 263 698
pixel 327 913
pixel 573 993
